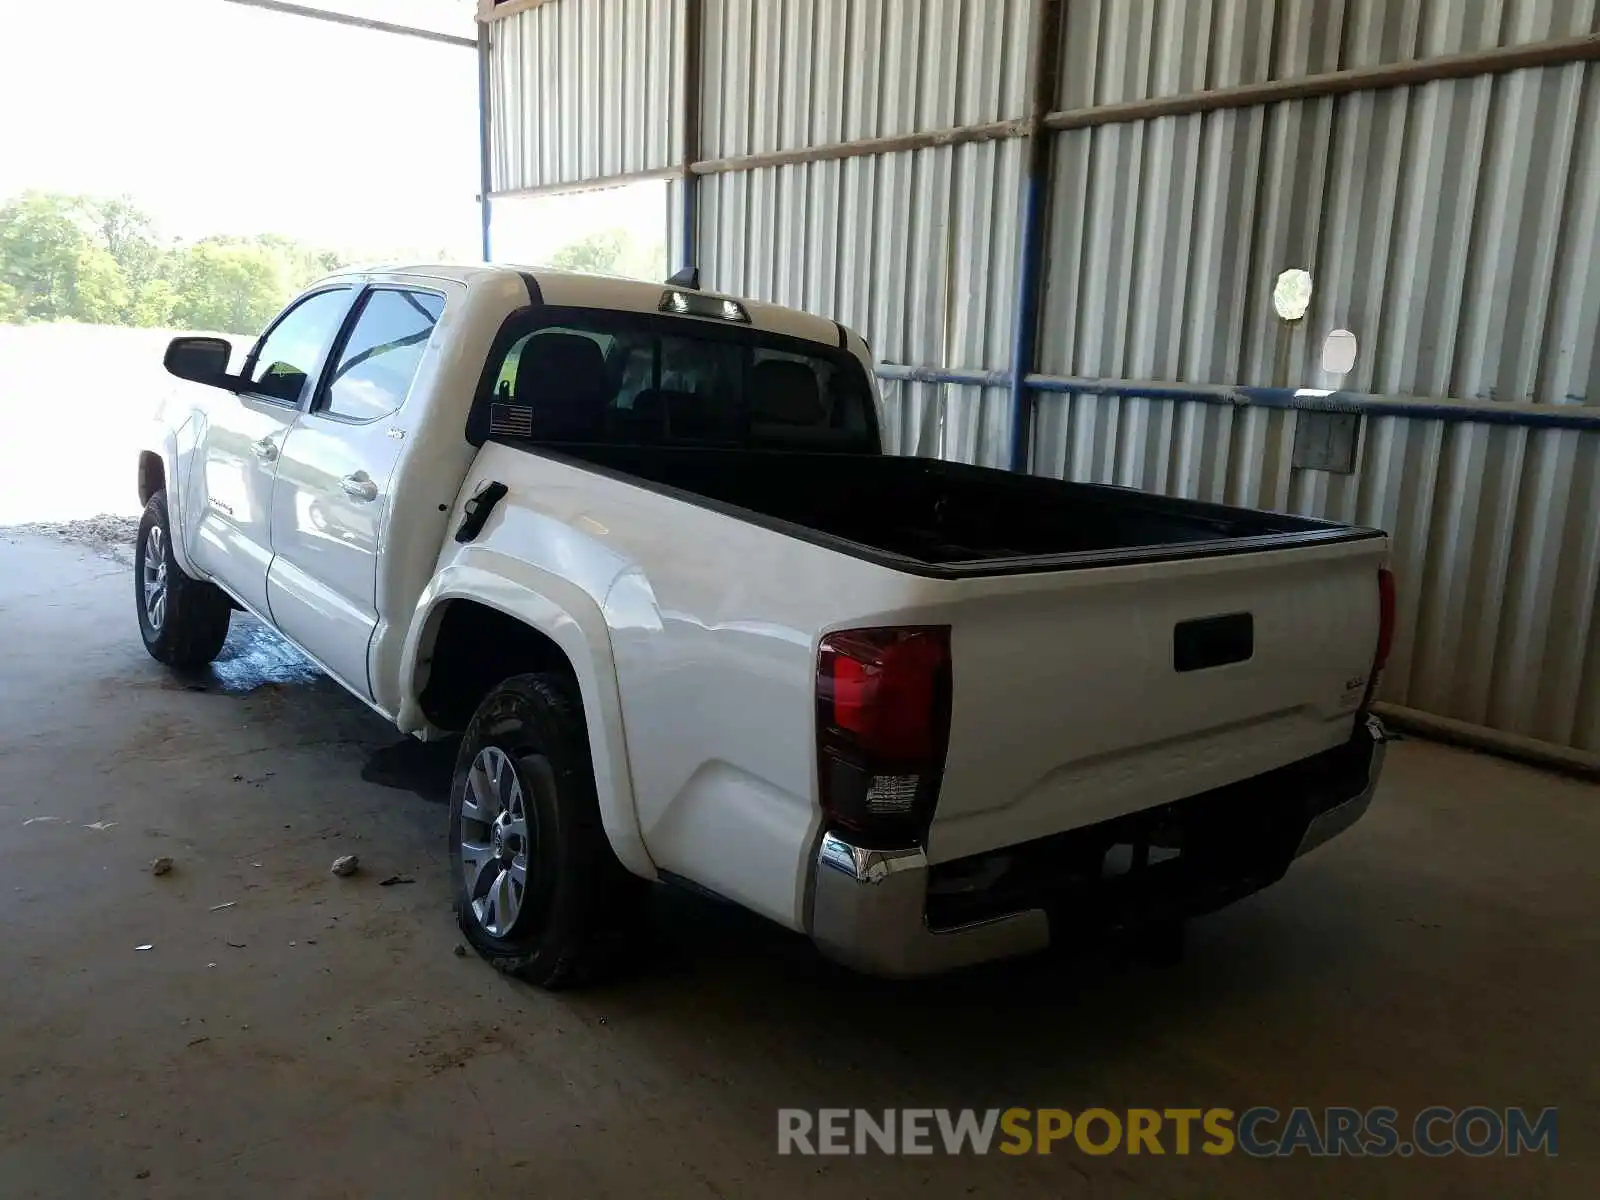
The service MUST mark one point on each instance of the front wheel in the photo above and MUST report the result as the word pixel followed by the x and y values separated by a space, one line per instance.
pixel 183 620
pixel 539 892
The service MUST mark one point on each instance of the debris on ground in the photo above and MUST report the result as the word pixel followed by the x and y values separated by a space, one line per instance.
pixel 238 778
pixel 146 946
pixel 236 945
pixel 110 535
pixel 220 907
pixel 460 950
pixel 394 879
pixel 102 826
pixel 144 1174
pixel 160 866
pixel 345 865
pixel 198 1040
pixel 33 820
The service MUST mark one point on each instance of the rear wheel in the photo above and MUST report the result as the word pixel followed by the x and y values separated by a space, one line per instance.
pixel 538 891
pixel 183 620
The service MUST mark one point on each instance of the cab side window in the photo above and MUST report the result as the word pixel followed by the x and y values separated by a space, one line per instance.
pixel 287 356
pixel 381 356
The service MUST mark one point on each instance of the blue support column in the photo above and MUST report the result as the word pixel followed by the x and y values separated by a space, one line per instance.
pixel 485 143
pixel 1044 63
pixel 692 45
pixel 690 200
pixel 1025 340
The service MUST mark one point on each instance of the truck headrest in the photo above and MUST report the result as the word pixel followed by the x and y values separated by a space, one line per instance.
pixel 784 392
pixel 562 378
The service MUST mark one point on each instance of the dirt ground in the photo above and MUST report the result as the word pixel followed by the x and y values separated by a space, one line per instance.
pixel 288 1033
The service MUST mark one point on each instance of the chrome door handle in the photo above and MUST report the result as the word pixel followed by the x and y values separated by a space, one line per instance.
pixel 266 449
pixel 359 487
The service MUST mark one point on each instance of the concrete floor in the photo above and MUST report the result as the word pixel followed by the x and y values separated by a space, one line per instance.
pixel 321 1038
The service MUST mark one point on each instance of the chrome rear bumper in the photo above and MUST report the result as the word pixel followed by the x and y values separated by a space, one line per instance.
pixel 868 912
pixel 869 907
pixel 1327 825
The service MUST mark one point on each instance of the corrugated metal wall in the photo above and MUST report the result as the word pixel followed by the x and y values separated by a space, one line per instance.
pixel 786 74
pixel 585 91
pixel 916 249
pixel 1118 50
pixel 1453 225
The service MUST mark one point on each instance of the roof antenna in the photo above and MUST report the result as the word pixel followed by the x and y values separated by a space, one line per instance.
pixel 686 277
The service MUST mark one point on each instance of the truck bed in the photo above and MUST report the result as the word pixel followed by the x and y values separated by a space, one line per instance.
pixel 949 519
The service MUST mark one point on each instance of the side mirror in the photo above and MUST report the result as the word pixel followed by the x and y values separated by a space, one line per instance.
pixel 200 360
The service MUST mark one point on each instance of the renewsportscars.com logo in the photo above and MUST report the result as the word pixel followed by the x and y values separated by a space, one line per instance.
pixel 1261 1132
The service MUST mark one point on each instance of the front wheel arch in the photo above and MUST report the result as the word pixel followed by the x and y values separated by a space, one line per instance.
pixel 152 475
pixel 189 625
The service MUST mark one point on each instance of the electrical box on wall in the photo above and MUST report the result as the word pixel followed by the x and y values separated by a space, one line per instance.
pixel 1326 441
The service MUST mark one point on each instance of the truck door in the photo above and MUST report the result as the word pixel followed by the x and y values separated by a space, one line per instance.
pixel 333 483
pixel 227 511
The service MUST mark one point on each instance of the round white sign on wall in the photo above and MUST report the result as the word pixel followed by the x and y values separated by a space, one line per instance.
pixel 1339 352
pixel 1291 295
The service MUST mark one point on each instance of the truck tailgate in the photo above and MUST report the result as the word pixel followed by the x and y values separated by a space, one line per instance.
pixel 1083 695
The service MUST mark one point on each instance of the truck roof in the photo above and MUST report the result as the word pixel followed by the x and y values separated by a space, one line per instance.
pixel 571 289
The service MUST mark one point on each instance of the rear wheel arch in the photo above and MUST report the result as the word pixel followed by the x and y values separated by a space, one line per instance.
pixel 468 647
pixel 538 889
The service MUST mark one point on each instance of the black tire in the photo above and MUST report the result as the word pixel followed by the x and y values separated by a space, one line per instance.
pixel 194 623
pixel 580 909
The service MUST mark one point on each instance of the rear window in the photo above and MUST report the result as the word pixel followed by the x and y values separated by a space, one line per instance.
pixel 586 376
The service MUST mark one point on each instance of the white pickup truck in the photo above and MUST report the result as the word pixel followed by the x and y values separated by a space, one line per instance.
pixel 639 545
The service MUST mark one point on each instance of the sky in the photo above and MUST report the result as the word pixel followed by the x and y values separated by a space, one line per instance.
pixel 222 119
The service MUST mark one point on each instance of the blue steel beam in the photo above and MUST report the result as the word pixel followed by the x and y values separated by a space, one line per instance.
pixel 1044 56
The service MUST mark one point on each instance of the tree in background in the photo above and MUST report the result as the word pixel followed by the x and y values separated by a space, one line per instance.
pixel 230 286
pixel 612 252
pixel 129 236
pixel 102 261
pixel 50 266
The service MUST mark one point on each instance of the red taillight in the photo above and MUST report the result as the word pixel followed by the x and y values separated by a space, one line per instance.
pixel 885 685
pixel 1385 620
pixel 1380 656
pixel 883 725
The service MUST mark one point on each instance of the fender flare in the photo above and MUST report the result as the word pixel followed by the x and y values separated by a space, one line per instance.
pixel 166 450
pixel 571 618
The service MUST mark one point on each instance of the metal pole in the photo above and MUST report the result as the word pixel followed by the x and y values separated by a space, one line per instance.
pixel 1044 68
pixel 485 145
pixel 338 18
pixel 1556 52
pixel 688 181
